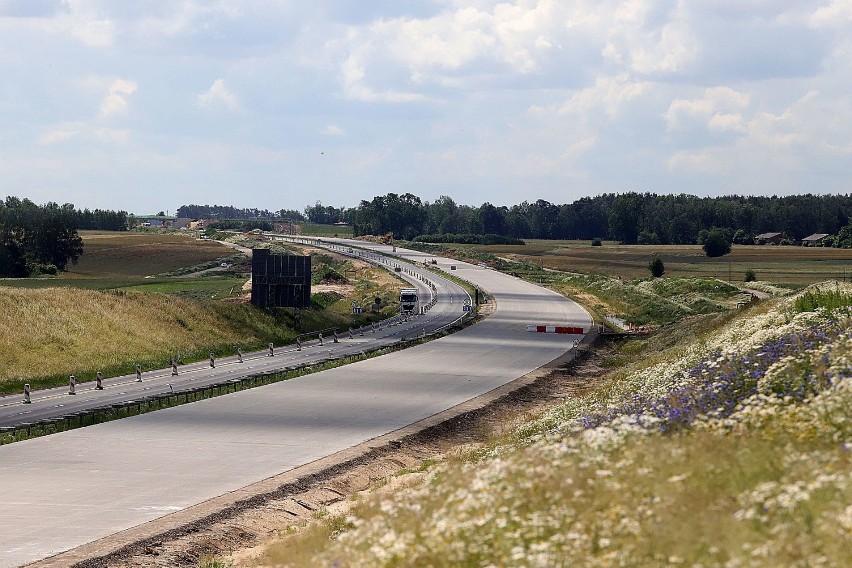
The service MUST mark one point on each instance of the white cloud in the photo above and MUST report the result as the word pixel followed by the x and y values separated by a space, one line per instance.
pixel 333 130
pixel 608 94
pixel 115 102
pixel 716 110
pixel 92 32
pixel 218 96
pixel 82 132
pixel 834 14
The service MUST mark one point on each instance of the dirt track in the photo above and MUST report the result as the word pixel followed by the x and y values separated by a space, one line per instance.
pixel 237 523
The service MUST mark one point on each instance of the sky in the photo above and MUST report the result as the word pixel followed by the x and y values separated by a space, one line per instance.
pixel 149 105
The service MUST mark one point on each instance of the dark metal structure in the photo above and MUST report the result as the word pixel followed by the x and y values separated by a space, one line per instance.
pixel 280 281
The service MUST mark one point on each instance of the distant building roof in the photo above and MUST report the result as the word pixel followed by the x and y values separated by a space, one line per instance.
pixel 766 236
pixel 815 237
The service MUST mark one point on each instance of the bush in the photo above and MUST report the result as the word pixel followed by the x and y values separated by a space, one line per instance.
pixel 656 267
pixel 648 238
pixel 330 275
pixel 750 276
pixel 596 242
pixel 716 244
pixel 828 299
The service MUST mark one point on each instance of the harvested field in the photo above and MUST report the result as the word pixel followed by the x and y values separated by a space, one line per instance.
pixel 135 255
pixel 792 265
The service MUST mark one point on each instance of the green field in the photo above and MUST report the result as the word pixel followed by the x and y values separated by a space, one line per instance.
pixel 342 231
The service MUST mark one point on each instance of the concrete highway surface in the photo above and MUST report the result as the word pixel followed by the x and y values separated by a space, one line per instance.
pixel 71 488
pixel 56 402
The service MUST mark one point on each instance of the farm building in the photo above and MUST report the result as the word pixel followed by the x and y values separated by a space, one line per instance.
pixel 768 238
pixel 814 240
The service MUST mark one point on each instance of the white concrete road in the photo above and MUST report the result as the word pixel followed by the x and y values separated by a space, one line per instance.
pixel 52 403
pixel 67 489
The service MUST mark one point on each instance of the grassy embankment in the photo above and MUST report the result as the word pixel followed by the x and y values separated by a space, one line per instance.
pixel 106 316
pixel 723 440
pixel 641 300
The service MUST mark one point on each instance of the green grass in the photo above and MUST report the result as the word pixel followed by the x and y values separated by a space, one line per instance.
pixel 216 288
pixel 828 299
pixel 342 231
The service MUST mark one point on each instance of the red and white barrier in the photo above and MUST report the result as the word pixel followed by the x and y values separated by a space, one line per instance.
pixel 556 329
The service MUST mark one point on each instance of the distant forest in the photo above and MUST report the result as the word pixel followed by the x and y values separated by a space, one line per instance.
pixel 631 218
pixel 235 213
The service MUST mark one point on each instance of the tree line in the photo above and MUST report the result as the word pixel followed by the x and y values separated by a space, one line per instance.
pixel 102 220
pixel 37 239
pixel 632 218
pixel 229 212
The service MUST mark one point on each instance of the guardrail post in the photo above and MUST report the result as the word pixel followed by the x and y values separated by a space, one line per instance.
pixel 350 332
pixel 138 373
pixel 271 350
pixel 99 381
pixel 239 355
pixel 72 383
pixel 373 327
pixel 212 360
pixel 174 368
pixel 335 336
pixel 27 399
pixel 361 330
pixel 320 339
pixel 298 344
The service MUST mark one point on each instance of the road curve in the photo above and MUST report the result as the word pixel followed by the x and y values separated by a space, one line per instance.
pixel 71 488
pixel 53 403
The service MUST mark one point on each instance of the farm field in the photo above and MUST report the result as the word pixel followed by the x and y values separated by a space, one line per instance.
pixel 788 265
pixel 136 255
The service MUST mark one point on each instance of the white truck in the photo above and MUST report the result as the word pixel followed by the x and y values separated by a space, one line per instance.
pixel 408 301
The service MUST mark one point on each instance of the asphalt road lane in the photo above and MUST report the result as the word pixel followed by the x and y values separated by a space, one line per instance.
pixel 74 487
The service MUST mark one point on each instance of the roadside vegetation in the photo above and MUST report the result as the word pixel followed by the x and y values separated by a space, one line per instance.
pixel 108 316
pixel 722 440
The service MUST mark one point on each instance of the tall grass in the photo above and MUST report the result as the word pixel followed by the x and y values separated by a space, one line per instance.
pixel 828 299
pixel 52 332
pixel 47 334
